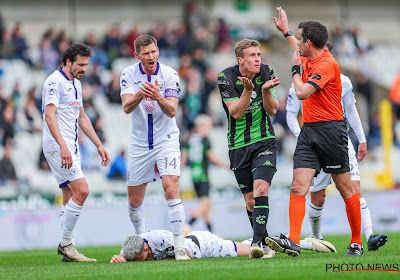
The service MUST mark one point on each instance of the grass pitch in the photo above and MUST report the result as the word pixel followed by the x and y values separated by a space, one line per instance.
pixel 46 264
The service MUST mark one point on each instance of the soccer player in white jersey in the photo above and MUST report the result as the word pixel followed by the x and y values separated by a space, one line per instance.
pixel 321 182
pixel 159 245
pixel 150 92
pixel 63 113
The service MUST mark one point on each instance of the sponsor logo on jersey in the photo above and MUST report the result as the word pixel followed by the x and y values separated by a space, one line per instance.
pixel 253 95
pixel 75 103
pixel 149 107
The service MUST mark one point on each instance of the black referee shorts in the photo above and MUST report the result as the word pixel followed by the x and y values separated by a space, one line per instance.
pixel 323 145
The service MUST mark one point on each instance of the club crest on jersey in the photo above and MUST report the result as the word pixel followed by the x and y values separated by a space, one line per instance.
pixel 161 85
pixel 149 107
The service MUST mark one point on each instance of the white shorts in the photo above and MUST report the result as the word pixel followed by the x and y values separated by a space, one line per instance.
pixel 142 162
pixel 63 175
pixel 212 246
pixel 323 179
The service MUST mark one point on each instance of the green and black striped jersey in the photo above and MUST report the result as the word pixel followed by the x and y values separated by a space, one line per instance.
pixel 255 125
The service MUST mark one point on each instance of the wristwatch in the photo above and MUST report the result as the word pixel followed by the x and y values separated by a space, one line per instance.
pixel 289 33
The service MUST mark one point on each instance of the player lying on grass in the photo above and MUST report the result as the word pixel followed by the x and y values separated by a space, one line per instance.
pixel 159 245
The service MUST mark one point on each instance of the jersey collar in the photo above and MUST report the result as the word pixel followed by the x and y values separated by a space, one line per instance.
pixel 155 73
pixel 62 72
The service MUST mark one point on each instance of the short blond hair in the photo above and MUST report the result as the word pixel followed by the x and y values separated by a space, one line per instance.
pixel 244 44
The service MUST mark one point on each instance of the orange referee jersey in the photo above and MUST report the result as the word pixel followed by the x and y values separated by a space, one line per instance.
pixel 324 74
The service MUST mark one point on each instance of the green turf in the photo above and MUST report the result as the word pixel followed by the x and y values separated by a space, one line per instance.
pixel 46 264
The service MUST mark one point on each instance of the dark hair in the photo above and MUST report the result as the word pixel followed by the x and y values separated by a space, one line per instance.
pixel 74 50
pixel 144 40
pixel 329 45
pixel 314 31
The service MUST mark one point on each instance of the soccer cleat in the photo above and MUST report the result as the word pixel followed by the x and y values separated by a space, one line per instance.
pixel 256 252
pixel 354 250
pixel 284 245
pixel 321 246
pixel 376 241
pixel 180 254
pixel 70 254
pixel 268 252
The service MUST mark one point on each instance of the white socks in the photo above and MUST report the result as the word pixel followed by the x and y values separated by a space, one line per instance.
pixel 366 222
pixel 314 215
pixel 137 217
pixel 71 214
pixel 62 215
pixel 176 215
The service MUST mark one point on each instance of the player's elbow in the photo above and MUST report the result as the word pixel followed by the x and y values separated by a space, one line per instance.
pixel 127 110
pixel 48 118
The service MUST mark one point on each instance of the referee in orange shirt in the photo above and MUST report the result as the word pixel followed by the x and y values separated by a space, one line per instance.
pixel 322 142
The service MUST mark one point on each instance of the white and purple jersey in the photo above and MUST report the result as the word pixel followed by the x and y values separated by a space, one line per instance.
pixel 150 126
pixel 66 95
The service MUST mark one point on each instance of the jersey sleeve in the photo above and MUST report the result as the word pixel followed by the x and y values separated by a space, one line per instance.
pixel 347 93
pixel 293 104
pixel 271 77
pixel 51 90
pixel 227 87
pixel 126 83
pixel 172 87
pixel 323 73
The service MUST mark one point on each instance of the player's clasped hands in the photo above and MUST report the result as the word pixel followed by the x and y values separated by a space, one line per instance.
pixel 247 83
pixel 150 90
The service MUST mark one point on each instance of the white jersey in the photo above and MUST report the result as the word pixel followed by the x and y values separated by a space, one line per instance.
pixel 161 243
pixel 66 95
pixel 150 126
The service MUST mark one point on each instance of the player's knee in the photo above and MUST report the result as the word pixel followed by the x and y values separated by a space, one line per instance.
pixel 298 188
pixel 171 192
pixel 250 204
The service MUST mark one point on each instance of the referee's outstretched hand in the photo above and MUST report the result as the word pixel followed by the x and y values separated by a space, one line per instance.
pixel 282 24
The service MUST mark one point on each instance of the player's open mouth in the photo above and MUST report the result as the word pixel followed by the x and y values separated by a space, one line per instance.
pixel 151 63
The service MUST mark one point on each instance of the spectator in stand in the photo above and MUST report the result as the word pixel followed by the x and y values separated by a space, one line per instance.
pixel 114 90
pixel 8 123
pixel 7 48
pixel 131 37
pixel 118 167
pixel 394 96
pixel 93 79
pixel 20 45
pixel 7 169
pixel 49 57
pixel 112 43
pixel 99 56
pixel 43 164
pixel 223 35
pixel 30 118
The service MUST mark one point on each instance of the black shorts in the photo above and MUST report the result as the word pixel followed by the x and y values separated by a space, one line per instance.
pixel 323 145
pixel 202 188
pixel 256 161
